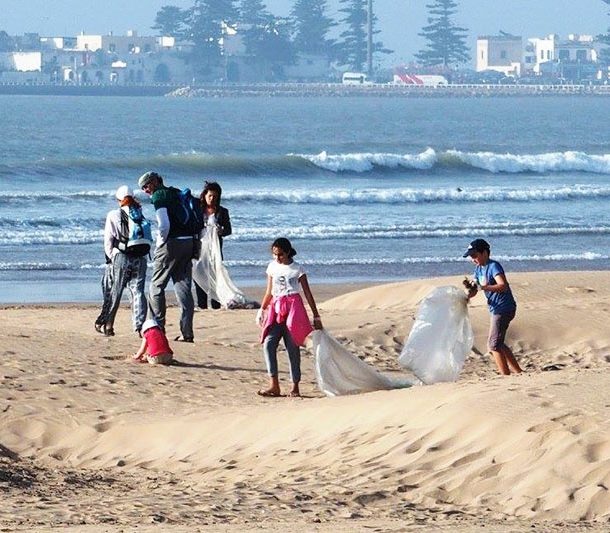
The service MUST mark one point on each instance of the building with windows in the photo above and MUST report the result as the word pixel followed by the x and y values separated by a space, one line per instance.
pixel 503 53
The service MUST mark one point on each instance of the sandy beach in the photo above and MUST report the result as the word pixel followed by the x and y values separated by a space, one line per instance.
pixel 90 442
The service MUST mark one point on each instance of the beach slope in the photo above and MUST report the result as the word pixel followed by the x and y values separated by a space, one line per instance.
pixel 92 442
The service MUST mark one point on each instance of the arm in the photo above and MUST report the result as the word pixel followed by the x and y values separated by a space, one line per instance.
pixel 267 297
pixel 142 351
pixel 162 224
pixel 109 237
pixel 317 322
pixel 500 286
pixel 225 223
pixel 260 314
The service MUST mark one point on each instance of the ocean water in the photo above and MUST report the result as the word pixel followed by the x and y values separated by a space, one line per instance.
pixel 367 189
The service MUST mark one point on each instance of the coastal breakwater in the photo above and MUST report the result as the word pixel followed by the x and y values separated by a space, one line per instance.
pixel 387 90
pixel 306 90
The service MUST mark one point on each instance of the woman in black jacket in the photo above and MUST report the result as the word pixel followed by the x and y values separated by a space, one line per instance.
pixel 213 214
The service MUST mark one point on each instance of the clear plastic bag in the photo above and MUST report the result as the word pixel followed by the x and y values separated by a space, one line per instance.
pixel 441 337
pixel 338 372
pixel 213 277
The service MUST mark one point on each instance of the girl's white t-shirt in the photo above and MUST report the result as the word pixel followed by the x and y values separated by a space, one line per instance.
pixel 285 278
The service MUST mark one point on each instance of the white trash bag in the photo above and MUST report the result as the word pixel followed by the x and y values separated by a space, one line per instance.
pixel 212 276
pixel 338 372
pixel 441 337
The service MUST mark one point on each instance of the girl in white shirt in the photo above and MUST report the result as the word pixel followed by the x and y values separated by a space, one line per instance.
pixel 286 317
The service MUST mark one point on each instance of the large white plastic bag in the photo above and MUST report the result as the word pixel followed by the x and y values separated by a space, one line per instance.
pixel 441 337
pixel 338 372
pixel 212 276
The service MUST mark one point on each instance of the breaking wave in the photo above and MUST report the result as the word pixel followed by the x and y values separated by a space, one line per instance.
pixel 200 163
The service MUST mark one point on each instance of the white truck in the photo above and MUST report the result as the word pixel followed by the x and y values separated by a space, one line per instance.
pixel 423 80
pixel 355 78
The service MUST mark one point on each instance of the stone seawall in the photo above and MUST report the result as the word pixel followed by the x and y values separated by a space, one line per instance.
pixel 307 90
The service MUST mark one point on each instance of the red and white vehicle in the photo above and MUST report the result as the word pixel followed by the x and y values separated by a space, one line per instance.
pixel 423 80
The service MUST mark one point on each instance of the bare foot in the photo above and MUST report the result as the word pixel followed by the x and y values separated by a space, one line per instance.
pixel 269 393
pixel 294 394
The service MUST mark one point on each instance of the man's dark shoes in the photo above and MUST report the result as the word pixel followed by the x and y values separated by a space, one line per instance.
pixel 180 338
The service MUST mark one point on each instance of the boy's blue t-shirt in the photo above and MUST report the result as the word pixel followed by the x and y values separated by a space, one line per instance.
pixel 500 303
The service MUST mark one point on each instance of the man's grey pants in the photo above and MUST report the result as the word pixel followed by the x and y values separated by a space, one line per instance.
pixel 173 260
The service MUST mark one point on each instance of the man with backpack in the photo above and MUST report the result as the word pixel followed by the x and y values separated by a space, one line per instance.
pixel 176 247
pixel 127 242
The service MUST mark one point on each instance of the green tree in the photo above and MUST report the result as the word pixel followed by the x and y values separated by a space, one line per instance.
pixel 205 28
pixel 255 18
pixel 171 21
pixel 311 27
pixel 352 49
pixel 446 41
pixel 7 43
pixel 266 37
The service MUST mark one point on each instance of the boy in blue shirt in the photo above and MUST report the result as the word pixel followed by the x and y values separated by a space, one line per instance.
pixel 490 278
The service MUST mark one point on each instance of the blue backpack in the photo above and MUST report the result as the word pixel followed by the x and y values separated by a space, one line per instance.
pixel 136 233
pixel 190 215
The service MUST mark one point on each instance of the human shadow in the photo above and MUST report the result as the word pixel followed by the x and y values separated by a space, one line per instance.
pixel 211 366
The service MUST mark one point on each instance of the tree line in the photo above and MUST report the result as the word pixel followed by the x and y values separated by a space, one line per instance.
pixel 270 38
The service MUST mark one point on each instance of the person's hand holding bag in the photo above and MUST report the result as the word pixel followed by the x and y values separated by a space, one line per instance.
pixel 260 317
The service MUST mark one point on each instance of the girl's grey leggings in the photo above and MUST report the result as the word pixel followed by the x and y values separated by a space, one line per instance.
pixel 272 341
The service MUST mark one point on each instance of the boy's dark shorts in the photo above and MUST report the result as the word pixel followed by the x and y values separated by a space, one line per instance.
pixel 497 330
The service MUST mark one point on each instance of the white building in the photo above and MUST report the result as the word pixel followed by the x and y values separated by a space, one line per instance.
pixel 574 57
pixel 122 45
pixel 502 53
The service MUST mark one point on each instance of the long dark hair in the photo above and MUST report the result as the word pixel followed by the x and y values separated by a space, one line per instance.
pixel 284 244
pixel 210 186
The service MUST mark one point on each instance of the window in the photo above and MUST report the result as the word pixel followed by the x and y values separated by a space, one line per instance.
pixel 581 55
pixel 503 54
pixel 112 47
pixel 564 55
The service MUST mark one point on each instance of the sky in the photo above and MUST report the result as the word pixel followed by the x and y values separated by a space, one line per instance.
pixel 399 20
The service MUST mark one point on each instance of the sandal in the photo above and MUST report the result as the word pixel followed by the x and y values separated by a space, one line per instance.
pixel 108 331
pixel 99 328
pixel 180 338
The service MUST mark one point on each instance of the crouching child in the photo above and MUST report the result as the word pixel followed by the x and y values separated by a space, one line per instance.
pixel 155 346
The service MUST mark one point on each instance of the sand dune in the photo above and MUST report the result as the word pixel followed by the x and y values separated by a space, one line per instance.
pixel 95 443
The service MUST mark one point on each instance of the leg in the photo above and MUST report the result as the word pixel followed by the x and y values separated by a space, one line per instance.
pixel 202 297
pixel 272 341
pixel 159 280
pixel 136 288
pixel 500 362
pixel 510 359
pixel 119 280
pixel 294 358
pixel 106 288
pixel 182 254
pixel 497 335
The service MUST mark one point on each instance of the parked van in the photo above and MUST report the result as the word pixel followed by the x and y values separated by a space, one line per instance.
pixel 355 78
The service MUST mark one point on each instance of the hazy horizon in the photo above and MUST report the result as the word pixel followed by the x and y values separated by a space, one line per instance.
pixel 399 20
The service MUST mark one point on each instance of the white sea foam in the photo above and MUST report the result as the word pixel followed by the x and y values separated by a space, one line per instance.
pixel 364 162
pixel 414 231
pixel 359 261
pixel 549 162
pixel 414 196
pixel 569 161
